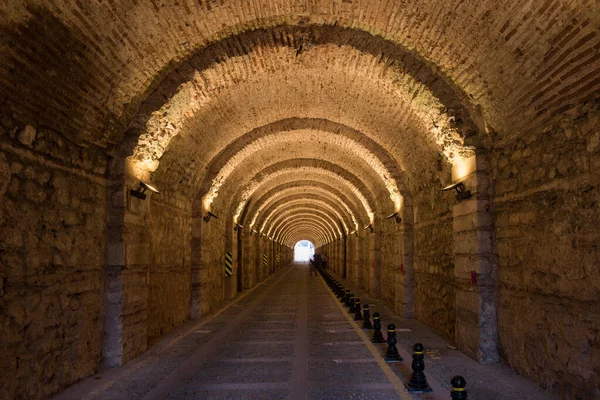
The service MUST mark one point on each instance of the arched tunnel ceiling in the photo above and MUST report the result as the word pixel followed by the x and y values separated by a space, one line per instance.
pixel 291 115
pixel 303 168
pixel 124 57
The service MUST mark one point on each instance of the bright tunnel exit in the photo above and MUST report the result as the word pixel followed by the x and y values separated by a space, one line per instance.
pixel 303 251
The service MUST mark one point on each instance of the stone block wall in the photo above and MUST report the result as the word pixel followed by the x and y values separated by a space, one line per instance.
pixel 213 263
pixel 390 259
pixel 169 268
pixel 434 288
pixel 52 220
pixel 547 232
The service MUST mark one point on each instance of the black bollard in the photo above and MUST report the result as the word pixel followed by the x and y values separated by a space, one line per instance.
pixel 377 335
pixel 418 380
pixel 351 310
pixel 347 298
pixel 357 314
pixel 367 317
pixel 341 291
pixel 458 388
pixel 391 353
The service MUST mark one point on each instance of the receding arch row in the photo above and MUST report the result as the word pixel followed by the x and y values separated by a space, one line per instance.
pixel 290 179
pixel 308 209
pixel 299 212
pixel 333 158
pixel 367 150
pixel 310 195
pixel 310 166
pixel 307 225
pixel 324 187
pixel 308 217
pixel 398 65
pixel 282 205
pixel 304 235
pixel 294 225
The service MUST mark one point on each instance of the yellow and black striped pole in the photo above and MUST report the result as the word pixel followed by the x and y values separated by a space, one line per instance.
pixel 228 264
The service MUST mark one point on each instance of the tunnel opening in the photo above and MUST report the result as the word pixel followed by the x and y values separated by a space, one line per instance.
pixel 304 250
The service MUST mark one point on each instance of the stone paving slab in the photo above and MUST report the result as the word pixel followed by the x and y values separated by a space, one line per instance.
pixel 484 381
pixel 290 339
pixel 227 372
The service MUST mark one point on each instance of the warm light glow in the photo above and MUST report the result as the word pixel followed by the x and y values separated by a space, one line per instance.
pixel 297 137
pixel 140 169
pixel 462 167
pixel 206 203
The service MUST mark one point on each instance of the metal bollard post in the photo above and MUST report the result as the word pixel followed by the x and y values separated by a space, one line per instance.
pixel 418 380
pixel 357 314
pixel 377 335
pixel 391 353
pixel 351 310
pixel 458 388
pixel 367 317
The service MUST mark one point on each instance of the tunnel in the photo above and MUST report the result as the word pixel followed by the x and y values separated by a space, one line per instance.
pixel 161 160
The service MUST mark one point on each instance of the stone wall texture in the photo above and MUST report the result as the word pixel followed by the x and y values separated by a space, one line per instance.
pixel 547 213
pixel 434 267
pixel 298 119
pixel 52 227
pixel 169 268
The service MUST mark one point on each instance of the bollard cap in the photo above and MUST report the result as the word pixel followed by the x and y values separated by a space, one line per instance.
pixel 348 291
pixel 418 348
pixel 392 327
pixel 356 300
pixel 366 306
pixel 458 383
pixel 375 315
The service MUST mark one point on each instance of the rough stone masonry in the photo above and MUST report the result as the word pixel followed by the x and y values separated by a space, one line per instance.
pixel 270 122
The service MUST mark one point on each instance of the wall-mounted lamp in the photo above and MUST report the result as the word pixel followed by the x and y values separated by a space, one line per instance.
pixel 238 226
pixel 396 216
pixel 369 227
pixel 140 191
pixel 461 191
pixel 253 231
pixel 209 215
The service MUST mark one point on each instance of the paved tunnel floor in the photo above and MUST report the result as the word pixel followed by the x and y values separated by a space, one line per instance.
pixel 290 338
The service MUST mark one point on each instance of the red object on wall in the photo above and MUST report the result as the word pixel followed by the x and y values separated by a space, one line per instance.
pixel 473 278
pixel 373 264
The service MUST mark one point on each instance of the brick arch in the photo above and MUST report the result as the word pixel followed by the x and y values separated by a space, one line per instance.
pixel 300 200
pixel 398 72
pixel 296 210
pixel 123 57
pixel 366 149
pixel 306 187
pixel 302 145
pixel 308 214
pixel 306 226
pixel 290 179
pixel 303 226
pixel 294 224
pixel 303 235
pixel 336 173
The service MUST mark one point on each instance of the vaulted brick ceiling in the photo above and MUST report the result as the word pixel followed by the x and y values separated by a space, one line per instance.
pixel 293 117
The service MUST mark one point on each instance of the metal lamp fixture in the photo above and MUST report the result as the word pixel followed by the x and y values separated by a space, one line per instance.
pixel 396 216
pixel 370 227
pixel 141 190
pixel 209 215
pixel 238 226
pixel 461 191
